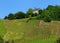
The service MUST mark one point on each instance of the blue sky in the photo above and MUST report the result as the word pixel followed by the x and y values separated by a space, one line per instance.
pixel 13 6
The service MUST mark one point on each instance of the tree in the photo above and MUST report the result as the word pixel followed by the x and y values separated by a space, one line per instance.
pixel 30 12
pixel 40 11
pixel 11 16
pixel 20 15
pixel 54 12
pixel 45 15
pixel 5 17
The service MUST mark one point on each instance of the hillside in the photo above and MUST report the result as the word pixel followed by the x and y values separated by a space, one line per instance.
pixel 2 28
pixel 34 31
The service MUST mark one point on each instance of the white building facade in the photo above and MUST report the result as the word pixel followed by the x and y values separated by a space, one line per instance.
pixel 36 11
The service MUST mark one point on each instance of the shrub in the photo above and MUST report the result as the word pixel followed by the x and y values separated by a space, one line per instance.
pixel 47 19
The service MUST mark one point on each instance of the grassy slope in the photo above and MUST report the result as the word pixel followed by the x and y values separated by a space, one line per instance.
pixel 34 31
pixel 41 41
pixel 2 28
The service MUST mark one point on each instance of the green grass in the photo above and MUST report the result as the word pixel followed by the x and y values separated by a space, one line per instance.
pixel 2 28
pixel 52 40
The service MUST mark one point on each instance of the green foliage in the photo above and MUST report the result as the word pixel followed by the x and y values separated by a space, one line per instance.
pixel 47 19
pixel 40 11
pixel 11 16
pixel 5 17
pixel 54 12
pixel 20 15
pixel 50 13
pixel 30 11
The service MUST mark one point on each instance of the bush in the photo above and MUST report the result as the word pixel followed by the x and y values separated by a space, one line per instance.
pixel 47 19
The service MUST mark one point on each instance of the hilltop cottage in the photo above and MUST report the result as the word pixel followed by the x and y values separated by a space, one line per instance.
pixel 36 11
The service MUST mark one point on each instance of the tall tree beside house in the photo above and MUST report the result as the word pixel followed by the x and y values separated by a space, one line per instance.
pixel 40 11
pixel 29 12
